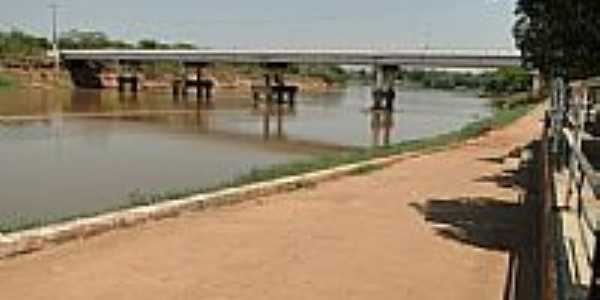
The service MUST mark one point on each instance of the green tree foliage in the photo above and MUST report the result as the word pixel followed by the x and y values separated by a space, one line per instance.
pixel 329 73
pixel 76 39
pixel 16 45
pixel 502 81
pixel 149 44
pixel 5 82
pixel 559 36
pixel 21 45
pixel 505 80
pixel 183 46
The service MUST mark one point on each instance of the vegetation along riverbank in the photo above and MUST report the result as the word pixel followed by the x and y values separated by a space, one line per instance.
pixel 6 82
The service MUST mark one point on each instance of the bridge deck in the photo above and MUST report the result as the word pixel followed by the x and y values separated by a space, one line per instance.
pixel 434 58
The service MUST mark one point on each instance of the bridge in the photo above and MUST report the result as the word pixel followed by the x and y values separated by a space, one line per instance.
pixel 386 64
pixel 424 58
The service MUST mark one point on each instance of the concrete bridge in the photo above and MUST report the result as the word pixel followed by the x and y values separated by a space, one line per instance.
pixel 386 64
pixel 426 58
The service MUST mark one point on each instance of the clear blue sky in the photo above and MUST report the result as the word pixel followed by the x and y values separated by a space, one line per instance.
pixel 282 23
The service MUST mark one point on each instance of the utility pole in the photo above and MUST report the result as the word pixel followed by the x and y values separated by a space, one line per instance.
pixel 54 9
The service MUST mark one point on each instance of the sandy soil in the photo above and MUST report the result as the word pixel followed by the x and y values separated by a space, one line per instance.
pixel 434 227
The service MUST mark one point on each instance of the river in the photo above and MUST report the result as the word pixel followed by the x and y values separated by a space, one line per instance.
pixel 71 152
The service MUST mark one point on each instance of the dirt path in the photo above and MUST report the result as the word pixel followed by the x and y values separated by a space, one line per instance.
pixel 435 227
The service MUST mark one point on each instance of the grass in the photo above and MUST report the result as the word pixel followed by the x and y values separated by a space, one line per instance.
pixel 6 82
pixel 503 115
pixel 365 170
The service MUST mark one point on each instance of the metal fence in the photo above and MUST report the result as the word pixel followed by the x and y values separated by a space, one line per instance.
pixel 573 142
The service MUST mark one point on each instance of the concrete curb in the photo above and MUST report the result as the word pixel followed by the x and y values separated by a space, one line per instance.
pixel 29 241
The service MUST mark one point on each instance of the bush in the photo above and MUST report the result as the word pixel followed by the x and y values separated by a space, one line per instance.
pixel 502 81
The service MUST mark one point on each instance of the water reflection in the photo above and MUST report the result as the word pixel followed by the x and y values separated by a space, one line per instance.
pixel 86 101
pixel 204 102
pixel 274 113
pixel 382 124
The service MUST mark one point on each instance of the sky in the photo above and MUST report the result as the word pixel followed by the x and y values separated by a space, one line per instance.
pixel 397 24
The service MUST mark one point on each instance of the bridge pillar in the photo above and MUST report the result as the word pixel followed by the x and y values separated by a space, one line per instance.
pixel 384 92
pixel 274 87
pixel 128 74
pixel 204 87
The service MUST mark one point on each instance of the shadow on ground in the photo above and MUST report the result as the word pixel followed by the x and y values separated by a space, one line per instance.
pixel 481 222
pixel 497 224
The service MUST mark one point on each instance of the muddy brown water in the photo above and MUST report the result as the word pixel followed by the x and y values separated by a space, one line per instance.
pixel 72 152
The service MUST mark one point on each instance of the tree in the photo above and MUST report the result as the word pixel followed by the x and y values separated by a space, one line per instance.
pixel 559 36
pixel 148 44
pixel 75 39
pixel 19 44
pixel 184 46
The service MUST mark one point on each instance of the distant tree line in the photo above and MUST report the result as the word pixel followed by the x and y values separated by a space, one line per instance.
pixel 76 39
pixel 502 81
pixel 559 37
pixel 329 73
pixel 16 44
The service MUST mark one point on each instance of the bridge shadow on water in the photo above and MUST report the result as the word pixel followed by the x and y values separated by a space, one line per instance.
pixel 497 224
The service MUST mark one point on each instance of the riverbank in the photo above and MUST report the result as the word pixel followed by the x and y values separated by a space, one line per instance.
pixel 502 116
pixel 448 218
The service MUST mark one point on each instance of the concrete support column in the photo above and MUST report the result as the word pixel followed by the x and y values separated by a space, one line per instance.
pixel 274 89
pixel 269 89
pixel 128 75
pixel 384 92
pixel 199 87
pixel 204 87
pixel 134 86
pixel 292 98
pixel 176 86
pixel 120 77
